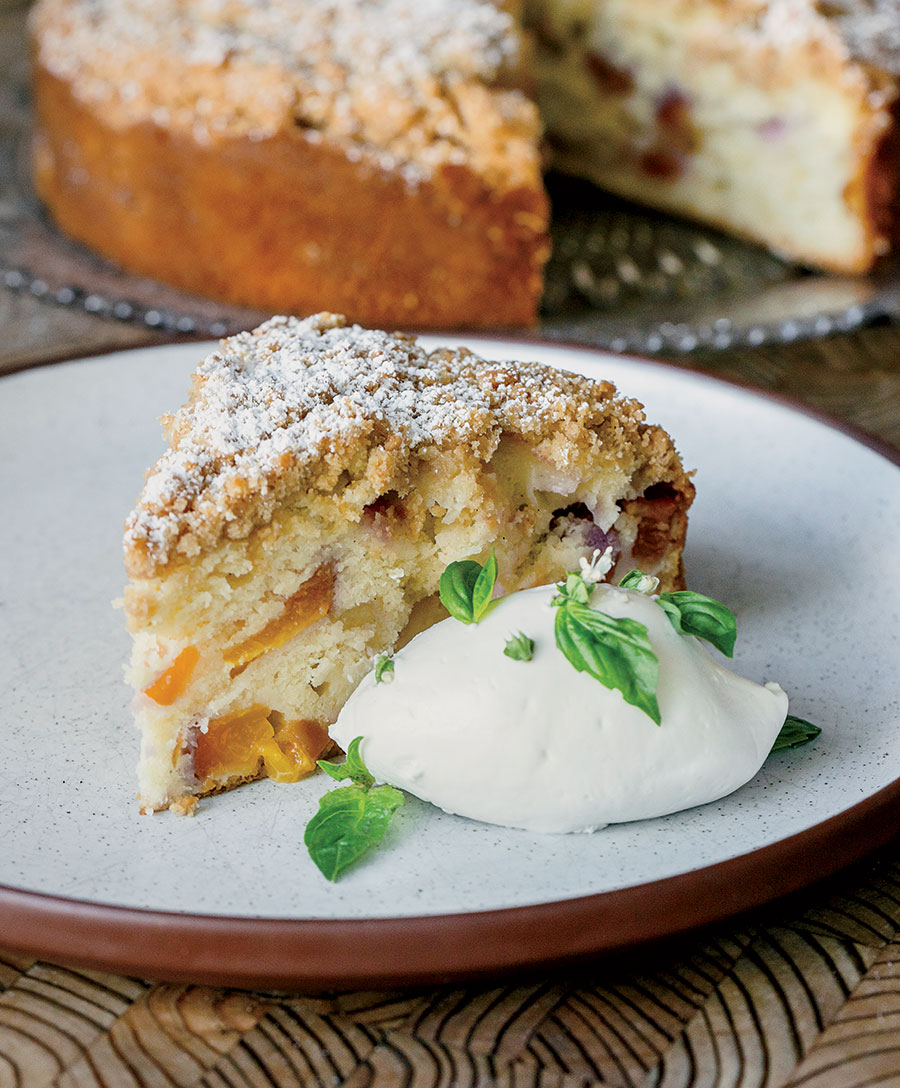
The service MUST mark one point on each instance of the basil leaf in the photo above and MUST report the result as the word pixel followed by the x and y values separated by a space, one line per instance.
pixel 484 587
pixel 673 612
pixel 384 669
pixel 350 822
pixel 617 652
pixel 640 582
pixel 575 588
pixel 631 580
pixel 703 617
pixel 794 733
pixel 456 588
pixel 466 588
pixel 520 647
pixel 352 768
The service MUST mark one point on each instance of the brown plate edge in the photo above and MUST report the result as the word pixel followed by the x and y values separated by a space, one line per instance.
pixel 323 954
pixel 319 954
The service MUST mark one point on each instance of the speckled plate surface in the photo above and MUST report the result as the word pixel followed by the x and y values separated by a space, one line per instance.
pixel 794 526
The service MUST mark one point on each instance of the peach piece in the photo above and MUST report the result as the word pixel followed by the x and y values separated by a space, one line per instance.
pixel 311 602
pixel 234 744
pixel 167 687
pixel 230 747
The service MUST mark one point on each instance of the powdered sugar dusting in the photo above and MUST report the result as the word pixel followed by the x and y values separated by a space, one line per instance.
pixel 864 30
pixel 871 29
pixel 788 24
pixel 393 41
pixel 296 403
pixel 388 76
pixel 304 385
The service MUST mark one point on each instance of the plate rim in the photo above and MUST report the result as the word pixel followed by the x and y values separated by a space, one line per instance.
pixel 318 954
pixel 346 953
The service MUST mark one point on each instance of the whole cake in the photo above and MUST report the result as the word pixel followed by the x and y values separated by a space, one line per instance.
pixel 383 158
pixel 318 482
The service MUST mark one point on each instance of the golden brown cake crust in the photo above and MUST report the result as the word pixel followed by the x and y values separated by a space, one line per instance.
pixel 288 157
pixel 285 224
pixel 320 405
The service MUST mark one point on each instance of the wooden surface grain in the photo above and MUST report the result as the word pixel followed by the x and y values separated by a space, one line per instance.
pixel 805 992
pixel 802 994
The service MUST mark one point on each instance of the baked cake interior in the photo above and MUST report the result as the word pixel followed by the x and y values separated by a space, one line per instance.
pixel 768 118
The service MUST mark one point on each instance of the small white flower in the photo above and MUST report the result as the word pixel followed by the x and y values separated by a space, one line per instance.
pixel 597 567
pixel 647 584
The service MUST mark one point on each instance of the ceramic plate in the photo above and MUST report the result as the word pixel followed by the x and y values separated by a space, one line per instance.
pixel 795 526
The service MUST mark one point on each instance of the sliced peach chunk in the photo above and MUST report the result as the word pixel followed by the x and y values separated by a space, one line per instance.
pixel 230 747
pixel 300 743
pixel 234 745
pixel 311 602
pixel 167 687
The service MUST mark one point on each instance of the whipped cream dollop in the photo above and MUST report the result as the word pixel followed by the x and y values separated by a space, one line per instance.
pixel 538 745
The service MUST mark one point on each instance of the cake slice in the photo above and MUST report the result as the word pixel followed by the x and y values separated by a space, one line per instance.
pixel 317 483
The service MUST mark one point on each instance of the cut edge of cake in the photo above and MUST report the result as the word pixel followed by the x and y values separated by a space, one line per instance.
pixel 775 120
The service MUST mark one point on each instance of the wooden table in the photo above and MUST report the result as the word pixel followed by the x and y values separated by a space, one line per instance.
pixel 803 992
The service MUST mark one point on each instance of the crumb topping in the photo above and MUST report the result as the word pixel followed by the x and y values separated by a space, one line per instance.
pixel 867 31
pixel 412 83
pixel 871 30
pixel 317 404
pixel 408 86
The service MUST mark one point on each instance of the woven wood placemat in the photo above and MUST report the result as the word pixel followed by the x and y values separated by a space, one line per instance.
pixel 808 996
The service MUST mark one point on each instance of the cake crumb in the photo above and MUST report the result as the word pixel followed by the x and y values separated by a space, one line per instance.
pixel 184 806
